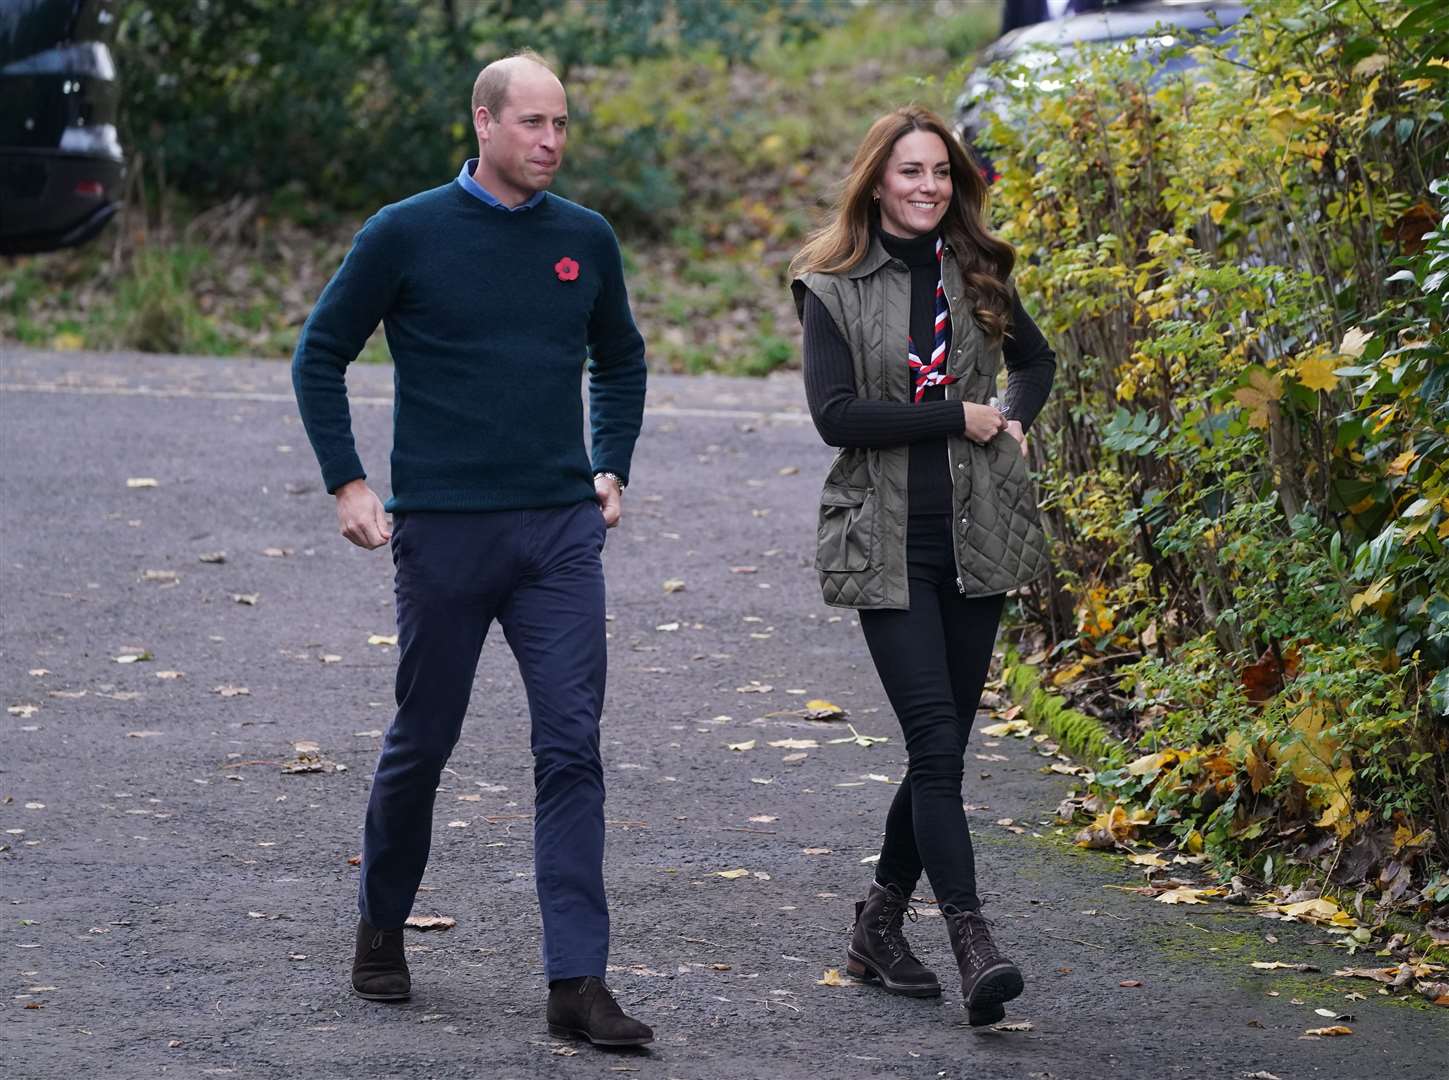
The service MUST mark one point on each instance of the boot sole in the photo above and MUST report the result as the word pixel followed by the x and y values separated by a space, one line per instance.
pixel 382 997
pixel 863 971
pixel 575 1033
pixel 996 986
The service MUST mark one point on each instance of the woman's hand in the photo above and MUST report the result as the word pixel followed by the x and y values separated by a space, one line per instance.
pixel 983 422
pixel 1013 428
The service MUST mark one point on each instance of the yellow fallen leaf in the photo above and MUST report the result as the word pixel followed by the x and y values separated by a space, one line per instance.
pixel 1152 764
pixel 795 744
pixel 382 639
pixel 1150 858
pixel 1185 895
pixel 140 482
pixel 673 585
pixel 833 977
pixel 731 875
pixel 748 744
pixel 1336 1029
pixel 1068 673
pixel 820 709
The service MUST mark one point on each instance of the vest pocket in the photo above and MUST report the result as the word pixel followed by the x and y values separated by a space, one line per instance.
pixel 846 538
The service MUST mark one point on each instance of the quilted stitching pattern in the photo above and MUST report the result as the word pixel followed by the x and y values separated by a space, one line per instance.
pixel 999 541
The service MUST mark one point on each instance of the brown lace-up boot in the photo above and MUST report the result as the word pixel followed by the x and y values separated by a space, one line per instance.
pixel 878 950
pixel 988 978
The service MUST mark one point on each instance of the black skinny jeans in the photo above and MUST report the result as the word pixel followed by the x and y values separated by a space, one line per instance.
pixel 932 661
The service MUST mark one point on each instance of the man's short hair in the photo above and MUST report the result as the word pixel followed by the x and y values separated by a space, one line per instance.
pixel 490 89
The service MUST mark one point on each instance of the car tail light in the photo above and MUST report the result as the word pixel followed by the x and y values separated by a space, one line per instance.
pixel 90 189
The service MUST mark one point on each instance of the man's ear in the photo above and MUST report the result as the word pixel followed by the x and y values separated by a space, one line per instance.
pixel 482 122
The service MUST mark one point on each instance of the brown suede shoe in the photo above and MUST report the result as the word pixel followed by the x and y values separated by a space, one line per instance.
pixel 379 969
pixel 583 1008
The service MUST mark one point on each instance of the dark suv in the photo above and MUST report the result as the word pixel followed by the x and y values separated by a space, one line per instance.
pixel 1149 27
pixel 61 164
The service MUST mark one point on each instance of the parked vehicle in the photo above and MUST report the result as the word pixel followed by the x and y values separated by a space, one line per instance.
pixel 61 163
pixel 1150 27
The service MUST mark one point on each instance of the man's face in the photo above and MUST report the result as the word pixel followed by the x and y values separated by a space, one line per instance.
pixel 523 145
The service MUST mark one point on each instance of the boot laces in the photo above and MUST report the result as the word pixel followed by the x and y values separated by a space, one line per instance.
pixel 892 917
pixel 976 940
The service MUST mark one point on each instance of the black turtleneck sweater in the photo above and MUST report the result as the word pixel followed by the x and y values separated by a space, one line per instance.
pixel 844 419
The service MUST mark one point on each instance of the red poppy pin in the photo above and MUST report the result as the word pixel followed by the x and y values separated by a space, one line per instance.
pixel 566 269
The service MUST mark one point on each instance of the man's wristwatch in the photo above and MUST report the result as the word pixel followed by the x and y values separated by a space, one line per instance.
pixel 612 476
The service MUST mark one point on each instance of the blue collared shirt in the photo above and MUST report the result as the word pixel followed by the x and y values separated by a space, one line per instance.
pixel 478 191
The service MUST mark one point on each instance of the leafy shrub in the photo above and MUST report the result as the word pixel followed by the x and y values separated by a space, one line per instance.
pixel 1245 464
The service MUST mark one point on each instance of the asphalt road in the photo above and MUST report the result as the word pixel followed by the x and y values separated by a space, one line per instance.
pixel 176 905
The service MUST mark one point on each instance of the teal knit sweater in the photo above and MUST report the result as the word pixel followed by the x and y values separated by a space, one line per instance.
pixel 489 331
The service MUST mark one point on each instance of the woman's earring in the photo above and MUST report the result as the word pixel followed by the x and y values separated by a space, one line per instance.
pixel 875 196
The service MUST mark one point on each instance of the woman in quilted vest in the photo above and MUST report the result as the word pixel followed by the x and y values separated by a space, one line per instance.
pixel 928 516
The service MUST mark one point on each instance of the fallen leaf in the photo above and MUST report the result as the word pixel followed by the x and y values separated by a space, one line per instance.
pixel 168 576
pixel 748 744
pixel 815 851
pixel 276 552
pixel 141 734
pixel 231 691
pixel 833 977
pixel 1279 965
pixel 1130 983
pixel 668 627
pixel 673 585
pixel 169 675
pixel 1016 1025
pixel 860 740
pixel 1019 728
pixel 1337 1029
pixel 820 709
pixel 795 744
pixel 25 712
pixel 1186 895
pixel 212 557
pixel 754 688
pixel 249 599
pixel 1150 858
pixel 382 639
pixel 762 779
pixel 764 819
pixel 141 482
pixel 134 657
pixel 430 922
pixel 731 875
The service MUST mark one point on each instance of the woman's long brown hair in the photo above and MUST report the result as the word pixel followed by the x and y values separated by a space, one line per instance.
pixel 842 242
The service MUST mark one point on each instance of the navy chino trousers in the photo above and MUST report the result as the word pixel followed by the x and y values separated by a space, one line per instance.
pixel 539 574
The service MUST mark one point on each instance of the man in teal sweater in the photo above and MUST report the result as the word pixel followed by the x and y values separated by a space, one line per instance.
pixel 492 292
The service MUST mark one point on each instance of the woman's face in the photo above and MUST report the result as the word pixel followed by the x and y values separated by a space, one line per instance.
pixel 915 188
